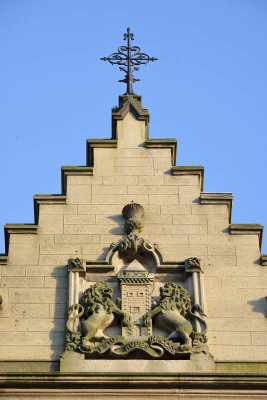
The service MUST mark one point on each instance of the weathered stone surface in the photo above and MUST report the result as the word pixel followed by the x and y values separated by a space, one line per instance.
pixel 37 270
pixel 147 153
pixel 133 162
pixel 28 310
pixel 151 180
pixel 147 189
pixel 227 352
pixel 61 248
pixel 217 250
pixel 238 324
pixel 120 180
pixel 22 281
pixel 79 194
pixel 23 254
pixel 162 166
pixel 30 352
pixel 50 224
pixel 13 270
pixel 47 324
pixel 231 309
pixel 25 238
pixel 79 239
pixel 56 282
pixel 210 209
pixel 119 199
pixel 189 219
pixel 84 180
pixel 163 199
pixel 229 338
pixel 182 180
pixel 220 224
pixel 37 295
pixel 57 209
pixel 176 209
pixel 13 324
pixel 188 194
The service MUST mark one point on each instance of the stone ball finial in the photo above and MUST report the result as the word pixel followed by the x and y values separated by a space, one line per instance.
pixel 133 214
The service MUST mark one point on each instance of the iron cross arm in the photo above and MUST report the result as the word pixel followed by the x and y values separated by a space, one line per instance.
pixel 127 57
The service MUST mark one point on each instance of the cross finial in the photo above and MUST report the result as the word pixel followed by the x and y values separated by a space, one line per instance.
pixel 128 57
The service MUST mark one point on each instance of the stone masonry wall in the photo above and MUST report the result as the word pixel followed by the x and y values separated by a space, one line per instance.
pixel 34 282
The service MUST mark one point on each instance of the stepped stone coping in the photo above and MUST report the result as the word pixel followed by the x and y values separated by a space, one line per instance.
pixel 3 259
pixel 264 259
pixel 18 229
pixel 129 103
pixel 190 170
pixel 97 143
pixel 46 199
pixel 218 198
pixel 73 170
pixel 247 229
pixel 164 144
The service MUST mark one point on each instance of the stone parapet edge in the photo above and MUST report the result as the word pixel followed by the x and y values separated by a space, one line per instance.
pixel 247 229
pixel 218 198
pixel 190 170
pixel 73 170
pixel 164 144
pixel 46 199
pixel 91 144
pixel 18 229
pixel 3 259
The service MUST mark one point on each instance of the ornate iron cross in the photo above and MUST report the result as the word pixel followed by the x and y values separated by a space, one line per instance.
pixel 129 57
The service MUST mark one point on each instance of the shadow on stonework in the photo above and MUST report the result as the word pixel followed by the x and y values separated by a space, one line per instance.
pixel 259 306
pixel 58 313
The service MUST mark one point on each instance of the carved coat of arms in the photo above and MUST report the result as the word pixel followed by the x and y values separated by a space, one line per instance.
pixel 139 315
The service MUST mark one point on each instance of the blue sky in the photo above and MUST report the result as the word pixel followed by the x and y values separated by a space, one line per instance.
pixel 208 90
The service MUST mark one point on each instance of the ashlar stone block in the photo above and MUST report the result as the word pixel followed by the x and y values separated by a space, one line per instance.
pixel 50 224
pixel 189 194
pixel 23 254
pixel 79 194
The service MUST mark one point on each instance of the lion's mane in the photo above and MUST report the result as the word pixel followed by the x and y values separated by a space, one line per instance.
pixel 94 297
pixel 175 297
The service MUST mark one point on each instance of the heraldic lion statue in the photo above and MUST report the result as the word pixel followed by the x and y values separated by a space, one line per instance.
pixel 97 313
pixel 172 314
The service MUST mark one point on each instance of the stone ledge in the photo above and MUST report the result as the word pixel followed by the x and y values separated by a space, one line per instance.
pixel 73 170
pixel 91 144
pixel 46 199
pixel 130 385
pixel 191 170
pixel 3 259
pixel 247 229
pixel 264 259
pixel 18 229
pixel 218 198
pixel 164 144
